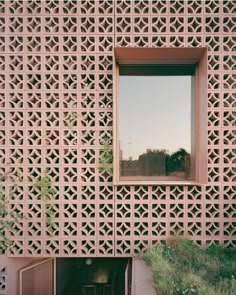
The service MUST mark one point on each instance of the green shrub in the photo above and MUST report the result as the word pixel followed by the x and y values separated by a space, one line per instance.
pixel 181 267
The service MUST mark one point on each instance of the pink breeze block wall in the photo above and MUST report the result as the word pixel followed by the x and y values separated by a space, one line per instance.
pixel 56 99
pixel 3 275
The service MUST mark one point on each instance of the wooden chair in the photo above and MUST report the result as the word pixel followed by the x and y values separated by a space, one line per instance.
pixel 89 290
pixel 107 289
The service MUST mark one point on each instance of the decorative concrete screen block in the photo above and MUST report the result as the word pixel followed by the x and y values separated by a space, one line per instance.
pixel 56 127
pixel 3 279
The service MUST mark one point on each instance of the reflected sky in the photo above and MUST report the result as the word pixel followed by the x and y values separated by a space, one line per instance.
pixel 154 113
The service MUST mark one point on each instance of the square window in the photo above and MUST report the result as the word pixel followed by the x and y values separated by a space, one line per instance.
pixel 160 111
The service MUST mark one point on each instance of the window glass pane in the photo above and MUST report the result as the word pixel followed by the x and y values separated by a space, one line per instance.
pixel 155 126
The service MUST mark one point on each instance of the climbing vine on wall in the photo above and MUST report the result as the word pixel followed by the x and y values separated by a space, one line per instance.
pixel 8 216
pixel 106 156
pixel 44 184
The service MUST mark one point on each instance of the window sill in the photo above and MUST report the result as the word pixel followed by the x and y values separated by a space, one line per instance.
pixel 157 182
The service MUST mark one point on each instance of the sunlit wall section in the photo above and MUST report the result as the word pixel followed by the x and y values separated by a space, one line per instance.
pixel 56 123
pixel 56 127
pixel 204 213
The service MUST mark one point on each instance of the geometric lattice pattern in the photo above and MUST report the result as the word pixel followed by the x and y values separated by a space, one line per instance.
pixel 56 108
pixel 3 275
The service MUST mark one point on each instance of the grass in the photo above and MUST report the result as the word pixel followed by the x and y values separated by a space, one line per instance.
pixel 181 267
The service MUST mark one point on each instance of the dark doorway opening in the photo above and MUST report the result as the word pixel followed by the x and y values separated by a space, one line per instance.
pixel 93 276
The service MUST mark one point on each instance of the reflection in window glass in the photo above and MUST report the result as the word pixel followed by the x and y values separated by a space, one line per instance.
pixel 155 126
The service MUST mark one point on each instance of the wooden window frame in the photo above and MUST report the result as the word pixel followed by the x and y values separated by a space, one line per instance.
pixel 164 57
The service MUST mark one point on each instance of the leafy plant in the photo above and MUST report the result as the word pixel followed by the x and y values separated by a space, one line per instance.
pixel 71 119
pixel 6 221
pixel 106 157
pixel 7 217
pixel 47 195
pixel 181 267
